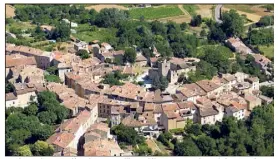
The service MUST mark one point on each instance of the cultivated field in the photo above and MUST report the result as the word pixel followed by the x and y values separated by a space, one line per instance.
pixel 205 11
pixel 253 12
pixel 191 8
pixel 156 13
pixel 10 11
pixel 102 6
pixel 250 8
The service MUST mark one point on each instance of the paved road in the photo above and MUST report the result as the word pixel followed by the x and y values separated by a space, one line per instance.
pixel 217 13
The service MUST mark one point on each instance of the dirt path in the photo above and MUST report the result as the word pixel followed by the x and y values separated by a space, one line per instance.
pixel 102 6
pixel 152 145
pixel 178 19
pixel 10 11
pixel 183 10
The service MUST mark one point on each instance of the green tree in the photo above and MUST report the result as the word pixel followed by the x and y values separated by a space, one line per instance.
pixel 160 83
pixel 163 139
pixel 183 26
pixel 267 91
pixel 186 148
pixel 62 32
pixel 42 148
pixel 9 87
pixel 266 21
pixel 143 150
pixel 195 129
pixel 32 109
pixel 196 20
pixel 204 70
pixel 11 110
pixel 206 145
pixel 53 70
pixel 130 55
pixel 42 132
pixel 269 7
pixel 46 96
pixel 262 36
pixel 23 151
pixel 111 17
pixel 19 136
pixel 83 54
pixel 127 135
pixel 233 23
pixel 216 33
pixel 47 117
pixel 203 33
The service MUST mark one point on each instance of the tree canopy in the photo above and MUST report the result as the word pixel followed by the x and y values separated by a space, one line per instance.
pixel 130 55
pixel 160 82
pixel 34 122
pixel 267 91
pixel 127 135
pixel 233 23
pixel 231 137
pixel 114 78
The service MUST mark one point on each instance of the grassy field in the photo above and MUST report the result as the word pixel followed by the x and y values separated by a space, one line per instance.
pixel 156 13
pixel 44 45
pixel 201 50
pixel 268 51
pixel 151 144
pixel 191 9
pixel 241 7
pixel 161 146
pixel 85 33
pixel 20 25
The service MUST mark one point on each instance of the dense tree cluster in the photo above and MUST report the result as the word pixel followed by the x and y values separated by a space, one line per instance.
pixel 60 33
pixel 165 138
pixel 204 70
pixel 254 137
pixel 248 65
pixel 28 128
pixel 114 78
pixel 266 21
pixel 50 110
pixel 261 36
pixel 127 135
pixel 217 56
pixel 160 82
pixel 130 55
pixel 232 25
pixel 267 91
pixel 52 14
pixel 111 17
pixel 83 54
